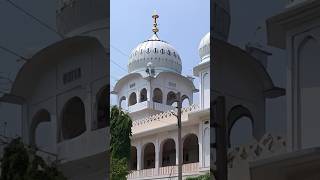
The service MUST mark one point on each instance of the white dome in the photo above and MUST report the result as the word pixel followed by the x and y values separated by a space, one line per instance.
pixel 162 56
pixel 204 47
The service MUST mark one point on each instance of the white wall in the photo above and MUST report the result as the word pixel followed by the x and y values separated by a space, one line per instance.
pixel 51 93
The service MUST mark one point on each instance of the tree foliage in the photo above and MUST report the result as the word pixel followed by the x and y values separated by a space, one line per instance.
pixel 201 177
pixel 120 143
pixel 119 169
pixel 21 163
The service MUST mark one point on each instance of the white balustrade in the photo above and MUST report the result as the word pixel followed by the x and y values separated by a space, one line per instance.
pixel 164 171
pixel 165 114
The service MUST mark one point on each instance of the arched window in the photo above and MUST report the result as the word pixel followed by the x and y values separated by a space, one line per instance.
pixel 132 99
pixel 171 98
pixel 168 153
pixel 241 132
pixel 73 118
pixel 123 103
pixel 143 95
pixel 133 158
pixel 190 149
pixel 185 101
pixel 157 95
pixel 40 130
pixel 240 126
pixel 149 156
pixel 102 108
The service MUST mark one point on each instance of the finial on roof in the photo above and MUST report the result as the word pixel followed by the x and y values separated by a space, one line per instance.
pixel 155 16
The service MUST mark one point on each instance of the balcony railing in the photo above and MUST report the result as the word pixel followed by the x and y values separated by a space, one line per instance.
pixel 164 171
pixel 150 105
pixel 165 114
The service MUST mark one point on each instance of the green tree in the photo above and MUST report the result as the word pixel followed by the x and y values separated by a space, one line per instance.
pixel 120 143
pixel 201 177
pixel 22 163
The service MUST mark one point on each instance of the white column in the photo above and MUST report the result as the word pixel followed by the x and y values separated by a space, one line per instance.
pixel 150 92
pixel 157 153
pixel 164 96
pixel 201 91
pixel 53 132
pixel 139 157
pixel 206 145
pixel 138 95
pixel 201 160
pixel 25 123
pixel 87 100
pixel 149 98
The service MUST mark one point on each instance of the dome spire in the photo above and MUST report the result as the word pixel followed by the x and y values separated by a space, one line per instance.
pixel 155 16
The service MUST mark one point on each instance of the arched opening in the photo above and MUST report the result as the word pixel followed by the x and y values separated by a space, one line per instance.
pixel 102 108
pixel 171 98
pixel 157 95
pixel 190 149
pixel 241 132
pixel 168 153
pixel 41 135
pixel 143 95
pixel 123 103
pixel 240 126
pixel 149 156
pixel 73 118
pixel 132 99
pixel 185 101
pixel 133 158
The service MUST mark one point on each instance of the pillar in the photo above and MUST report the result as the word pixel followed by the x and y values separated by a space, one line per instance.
pixel 139 157
pixel 138 95
pixel 157 154
pixel 164 95
pixel 200 142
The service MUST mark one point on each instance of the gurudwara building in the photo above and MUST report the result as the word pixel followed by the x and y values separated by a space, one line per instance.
pixel 62 90
pixel 149 93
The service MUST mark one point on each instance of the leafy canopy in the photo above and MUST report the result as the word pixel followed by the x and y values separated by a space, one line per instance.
pixel 22 163
pixel 120 143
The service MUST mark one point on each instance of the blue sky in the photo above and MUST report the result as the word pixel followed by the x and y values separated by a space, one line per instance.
pixel 182 23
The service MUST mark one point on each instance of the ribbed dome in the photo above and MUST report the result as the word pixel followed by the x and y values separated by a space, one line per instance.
pixel 204 47
pixel 161 54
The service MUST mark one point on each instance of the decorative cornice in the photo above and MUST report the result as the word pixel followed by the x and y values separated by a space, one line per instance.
pixel 266 147
pixel 164 115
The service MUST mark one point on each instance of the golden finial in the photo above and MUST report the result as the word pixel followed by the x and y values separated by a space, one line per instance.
pixel 155 16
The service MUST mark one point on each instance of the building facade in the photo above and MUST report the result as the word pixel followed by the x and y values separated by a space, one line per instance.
pixel 296 30
pixel 149 93
pixel 63 92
